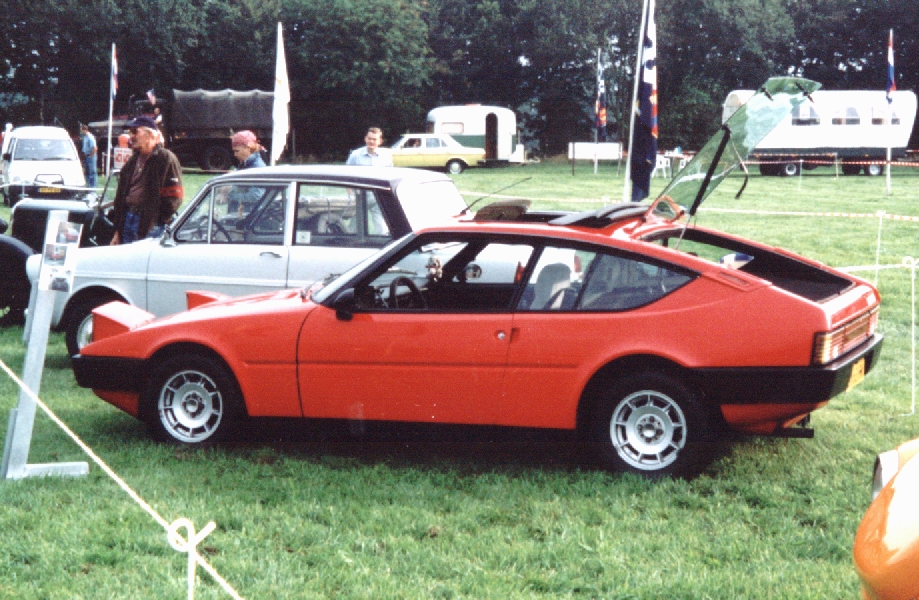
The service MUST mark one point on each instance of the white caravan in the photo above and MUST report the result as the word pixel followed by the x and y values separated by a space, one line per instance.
pixel 492 128
pixel 854 127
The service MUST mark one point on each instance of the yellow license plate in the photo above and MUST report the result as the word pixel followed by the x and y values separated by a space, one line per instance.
pixel 857 375
pixel 49 190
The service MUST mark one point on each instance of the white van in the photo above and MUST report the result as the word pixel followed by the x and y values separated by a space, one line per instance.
pixel 40 162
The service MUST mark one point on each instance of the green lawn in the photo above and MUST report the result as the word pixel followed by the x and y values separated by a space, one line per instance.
pixel 311 511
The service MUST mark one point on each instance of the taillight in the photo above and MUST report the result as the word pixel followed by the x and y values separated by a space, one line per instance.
pixel 831 345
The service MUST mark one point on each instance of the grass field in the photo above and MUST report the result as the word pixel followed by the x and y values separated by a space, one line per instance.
pixel 310 511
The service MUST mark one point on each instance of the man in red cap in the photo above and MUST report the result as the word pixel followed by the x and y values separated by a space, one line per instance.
pixel 149 188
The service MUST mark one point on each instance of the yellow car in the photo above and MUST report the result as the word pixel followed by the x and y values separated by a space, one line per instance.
pixel 434 150
pixel 886 550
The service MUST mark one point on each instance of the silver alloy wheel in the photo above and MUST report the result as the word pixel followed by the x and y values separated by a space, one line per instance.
pixel 85 331
pixel 190 406
pixel 648 430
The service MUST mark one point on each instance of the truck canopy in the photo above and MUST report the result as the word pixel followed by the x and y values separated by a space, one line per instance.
pixel 203 109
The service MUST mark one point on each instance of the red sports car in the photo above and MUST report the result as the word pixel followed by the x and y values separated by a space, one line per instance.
pixel 628 324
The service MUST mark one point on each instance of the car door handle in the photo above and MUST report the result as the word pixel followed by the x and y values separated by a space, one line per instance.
pixel 270 253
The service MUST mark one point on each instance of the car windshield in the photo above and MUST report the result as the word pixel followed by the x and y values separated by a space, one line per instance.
pixel 737 138
pixel 417 201
pixel 27 149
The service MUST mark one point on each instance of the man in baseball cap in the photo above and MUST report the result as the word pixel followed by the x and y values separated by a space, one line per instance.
pixel 150 186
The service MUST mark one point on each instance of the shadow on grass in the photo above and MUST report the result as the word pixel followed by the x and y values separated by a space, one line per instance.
pixel 466 448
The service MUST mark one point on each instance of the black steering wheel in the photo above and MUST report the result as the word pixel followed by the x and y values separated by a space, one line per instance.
pixel 417 298
pixel 221 229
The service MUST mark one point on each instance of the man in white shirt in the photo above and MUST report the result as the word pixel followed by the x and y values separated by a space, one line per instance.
pixel 371 154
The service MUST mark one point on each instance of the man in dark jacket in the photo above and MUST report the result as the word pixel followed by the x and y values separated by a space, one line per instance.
pixel 149 188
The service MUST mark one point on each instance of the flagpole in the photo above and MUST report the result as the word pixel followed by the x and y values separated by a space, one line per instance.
pixel 111 108
pixel 891 86
pixel 596 108
pixel 626 196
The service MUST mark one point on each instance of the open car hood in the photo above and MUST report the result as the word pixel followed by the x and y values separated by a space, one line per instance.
pixel 731 145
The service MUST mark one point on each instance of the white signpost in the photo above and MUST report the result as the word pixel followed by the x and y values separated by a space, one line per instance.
pixel 58 259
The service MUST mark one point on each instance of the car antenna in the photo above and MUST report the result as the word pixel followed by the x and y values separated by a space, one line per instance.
pixel 477 200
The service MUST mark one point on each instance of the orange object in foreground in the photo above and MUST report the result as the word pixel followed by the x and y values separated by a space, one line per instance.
pixel 886 549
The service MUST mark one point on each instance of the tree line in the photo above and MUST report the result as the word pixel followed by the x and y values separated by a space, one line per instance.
pixel 355 63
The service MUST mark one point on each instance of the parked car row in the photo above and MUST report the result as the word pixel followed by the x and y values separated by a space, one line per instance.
pixel 256 230
pixel 628 325
pixel 361 293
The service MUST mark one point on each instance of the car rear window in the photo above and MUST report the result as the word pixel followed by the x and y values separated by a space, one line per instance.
pixel 429 203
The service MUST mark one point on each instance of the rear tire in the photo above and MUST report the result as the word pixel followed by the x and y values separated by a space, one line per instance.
pixel 455 167
pixel 216 158
pixel 874 170
pixel 790 169
pixel 192 400
pixel 850 169
pixel 650 424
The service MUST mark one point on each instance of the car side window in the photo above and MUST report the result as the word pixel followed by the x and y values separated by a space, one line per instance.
pixel 331 215
pixel 580 280
pixel 238 214
pixel 195 228
pixel 449 275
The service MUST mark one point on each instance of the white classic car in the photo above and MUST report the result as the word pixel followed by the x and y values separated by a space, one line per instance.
pixel 252 231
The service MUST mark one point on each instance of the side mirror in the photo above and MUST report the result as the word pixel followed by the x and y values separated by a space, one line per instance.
pixel 344 305
pixel 7 157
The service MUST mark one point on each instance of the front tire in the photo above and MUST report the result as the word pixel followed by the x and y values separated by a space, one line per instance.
pixel 192 400
pixel 649 424
pixel 79 329
pixel 873 170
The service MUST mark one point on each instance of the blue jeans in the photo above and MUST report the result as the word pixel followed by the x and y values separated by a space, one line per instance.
pixel 129 231
pixel 132 224
pixel 89 169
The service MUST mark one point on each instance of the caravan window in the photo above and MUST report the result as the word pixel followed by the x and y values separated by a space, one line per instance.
pixel 850 118
pixel 452 128
pixel 879 117
pixel 804 114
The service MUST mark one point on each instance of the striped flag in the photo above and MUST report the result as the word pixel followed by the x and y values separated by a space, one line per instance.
pixel 600 105
pixel 644 136
pixel 114 81
pixel 891 84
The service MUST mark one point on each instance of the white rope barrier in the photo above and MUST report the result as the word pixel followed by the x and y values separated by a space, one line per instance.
pixel 185 545
pixel 910 263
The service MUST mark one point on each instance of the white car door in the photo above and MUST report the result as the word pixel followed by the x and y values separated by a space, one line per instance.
pixel 336 226
pixel 232 241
